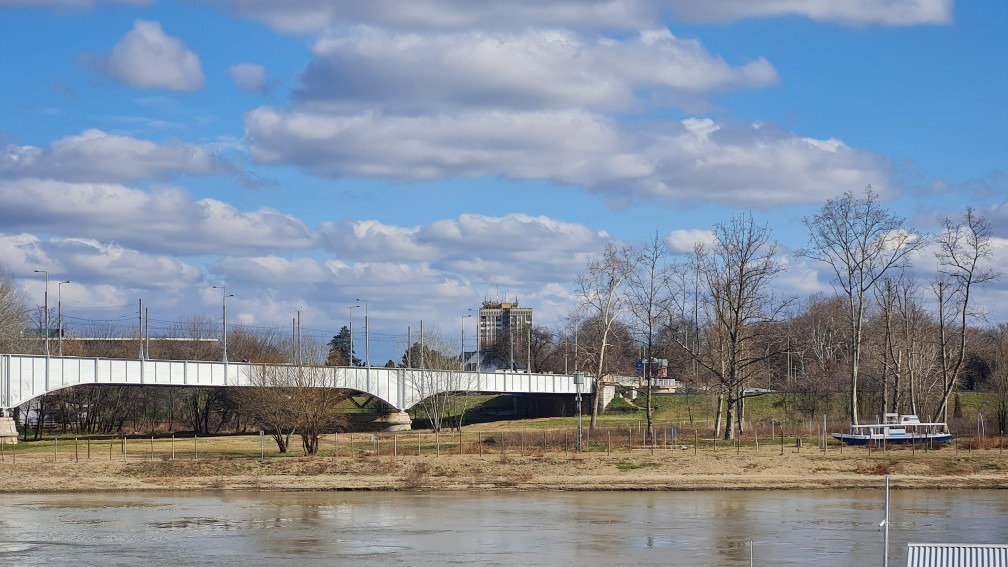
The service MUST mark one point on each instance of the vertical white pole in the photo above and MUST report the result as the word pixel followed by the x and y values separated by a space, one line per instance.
pixel 885 522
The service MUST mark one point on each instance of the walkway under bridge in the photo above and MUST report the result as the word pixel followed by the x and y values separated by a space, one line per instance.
pixel 25 377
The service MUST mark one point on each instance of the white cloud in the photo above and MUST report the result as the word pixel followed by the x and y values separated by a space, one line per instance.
pixel 249 77
pixel 369 67
pixel 851 12
pixel 306 16
pixel 167 219
pixel 94 155
pixel 684 241
pixel 697 159
pixel 146 57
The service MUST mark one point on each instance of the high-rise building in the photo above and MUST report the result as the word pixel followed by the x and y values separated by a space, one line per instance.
pixel 502 319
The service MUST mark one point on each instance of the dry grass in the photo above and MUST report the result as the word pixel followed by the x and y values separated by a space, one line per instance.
pixel 235 463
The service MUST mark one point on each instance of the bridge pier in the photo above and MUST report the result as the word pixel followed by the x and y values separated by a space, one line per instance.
pixel 396 421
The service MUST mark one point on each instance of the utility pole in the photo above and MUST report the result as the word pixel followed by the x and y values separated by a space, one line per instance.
pixel 46 314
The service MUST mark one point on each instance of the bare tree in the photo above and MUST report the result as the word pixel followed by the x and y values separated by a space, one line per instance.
pixel 598 289
pixel 297 397
pixel 649 302
pixel 736 277
pixel 438 381
pixel 860 241
pixel 962 248
pixel 13 312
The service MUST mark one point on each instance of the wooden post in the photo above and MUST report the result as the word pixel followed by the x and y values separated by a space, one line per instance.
pixel 544 441
pixel 782 439
pixel 335 444
pixel 696 440
pixel 565 442
pixel 89 448
pixel 151 447
pixel 195 447
pixel 351 444
pixel 608 449
pixel 418 449
pixel 76 455
pixel 629 439
pixel 111 442
pixel 55 449
pixel 173 446
pixel 395 445
pixel 124 448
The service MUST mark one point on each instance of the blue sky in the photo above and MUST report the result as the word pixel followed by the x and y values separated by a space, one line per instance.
pixel 431 154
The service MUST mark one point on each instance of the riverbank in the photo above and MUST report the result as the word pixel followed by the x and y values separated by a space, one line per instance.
pixel 105 468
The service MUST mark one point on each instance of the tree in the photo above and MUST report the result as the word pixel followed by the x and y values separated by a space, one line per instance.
pixel 300 398
pixel 340 350
pixel 649 302
pixel 598 289
pixel 860 241
pixel 737 274
pixel 13 312
pixel 962 248
pixel 443 389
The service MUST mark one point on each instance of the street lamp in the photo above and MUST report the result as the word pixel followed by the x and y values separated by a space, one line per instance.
pixel 59 310
pixel 479 359
pixel 350 354
pixel 462 357
pixel 224 296
pixel 578 380
pixel 46 272
pixel 367 341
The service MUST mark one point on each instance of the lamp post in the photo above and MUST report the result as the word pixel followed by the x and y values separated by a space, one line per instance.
pixel 479 359
pixel 46 315
pixel 59 310
pixel 350 354
pixel 462 357
pixel 578 380
pixel 224 296
pixel 367 340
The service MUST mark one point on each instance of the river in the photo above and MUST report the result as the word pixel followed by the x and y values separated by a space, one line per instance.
pixel 489 528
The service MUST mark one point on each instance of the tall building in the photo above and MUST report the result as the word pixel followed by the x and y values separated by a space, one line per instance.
pixel 499 319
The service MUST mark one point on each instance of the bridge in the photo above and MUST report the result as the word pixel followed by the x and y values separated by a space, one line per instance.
pixel 26 377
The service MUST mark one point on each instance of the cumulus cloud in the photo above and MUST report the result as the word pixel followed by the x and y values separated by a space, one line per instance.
pixel 306 16
pixel 94 155
pixel 249 77
pixel 92 260
pixel 741 164
pixel 531 69
pixel 146 57
pixel 166 220
pixel 483 248
pixel 851 12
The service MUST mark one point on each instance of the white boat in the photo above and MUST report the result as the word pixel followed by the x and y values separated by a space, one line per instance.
pixel 897 428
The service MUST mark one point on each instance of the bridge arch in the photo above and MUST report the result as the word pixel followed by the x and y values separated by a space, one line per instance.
pixel 25 377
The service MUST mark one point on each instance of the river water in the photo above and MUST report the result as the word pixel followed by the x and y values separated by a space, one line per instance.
pixel 492 528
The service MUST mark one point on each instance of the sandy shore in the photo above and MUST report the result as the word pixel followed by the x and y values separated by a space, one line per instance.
pixel 672 469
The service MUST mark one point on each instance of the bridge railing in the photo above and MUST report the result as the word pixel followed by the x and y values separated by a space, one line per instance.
pixel 24 377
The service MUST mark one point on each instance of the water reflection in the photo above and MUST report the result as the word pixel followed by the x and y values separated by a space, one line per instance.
pixel 654 528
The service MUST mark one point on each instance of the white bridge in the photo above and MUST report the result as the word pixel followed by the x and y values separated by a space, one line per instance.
pixel 25 377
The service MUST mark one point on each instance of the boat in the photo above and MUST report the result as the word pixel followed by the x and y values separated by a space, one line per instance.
pixel 897 428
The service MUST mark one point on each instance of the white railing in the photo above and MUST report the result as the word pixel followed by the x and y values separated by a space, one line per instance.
pixel 25 377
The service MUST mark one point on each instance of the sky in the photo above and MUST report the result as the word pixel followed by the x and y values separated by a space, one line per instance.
pixel 427 155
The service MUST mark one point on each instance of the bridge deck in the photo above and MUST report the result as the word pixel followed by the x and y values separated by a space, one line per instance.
pixel 25 377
